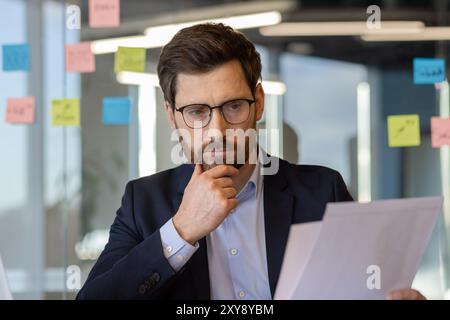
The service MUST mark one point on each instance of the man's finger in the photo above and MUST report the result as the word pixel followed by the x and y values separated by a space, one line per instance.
pixel 222 171
pixel 229 192
pixel 405 294
pixel 224 182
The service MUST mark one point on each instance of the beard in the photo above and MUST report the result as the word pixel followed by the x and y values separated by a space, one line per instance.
pixel 220 150
pixel 224 152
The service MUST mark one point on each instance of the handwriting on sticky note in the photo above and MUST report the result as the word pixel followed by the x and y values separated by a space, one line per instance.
pixel 79 57
pixel 116 110
pixel 428 70
pixel 129 59
pixel 66 112
pixel 20 110
pixel 403 130
pixel 104 13
pixel 16 57
pixel 440 132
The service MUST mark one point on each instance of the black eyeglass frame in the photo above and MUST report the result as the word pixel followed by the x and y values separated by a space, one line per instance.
pixel 181 109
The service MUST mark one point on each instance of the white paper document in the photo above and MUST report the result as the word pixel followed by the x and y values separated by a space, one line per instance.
pixel 358 250
pixel 5 294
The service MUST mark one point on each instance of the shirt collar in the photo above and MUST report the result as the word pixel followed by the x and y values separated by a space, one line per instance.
pixel 253 184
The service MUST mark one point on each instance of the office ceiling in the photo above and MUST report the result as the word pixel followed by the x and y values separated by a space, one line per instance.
pixel 352 49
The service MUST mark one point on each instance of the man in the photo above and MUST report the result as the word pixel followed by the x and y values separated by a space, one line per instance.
pixel 216 229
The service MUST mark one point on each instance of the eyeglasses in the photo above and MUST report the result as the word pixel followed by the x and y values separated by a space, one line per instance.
pixel 198 116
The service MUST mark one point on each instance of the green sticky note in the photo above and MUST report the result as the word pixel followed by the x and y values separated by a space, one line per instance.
pixel 404 130
pixel 66 112
pixel 129 59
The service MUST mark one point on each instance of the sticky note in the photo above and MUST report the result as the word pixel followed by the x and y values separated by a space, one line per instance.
pixel 428 70
pixel 66 112
pixel 440 132
pixel 104 13
pixel 16 57
pixel 116 110
pixel 79 57
pixel 20 110
pixel 403 130
pixel 129 59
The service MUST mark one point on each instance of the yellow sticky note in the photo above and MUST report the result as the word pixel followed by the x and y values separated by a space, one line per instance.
pixel 129 59
pixel 66 112
pixel 404 130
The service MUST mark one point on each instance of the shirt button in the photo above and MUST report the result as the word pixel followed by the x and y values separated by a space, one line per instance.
pixel 234 251
pixel 241 294
pixel 169 249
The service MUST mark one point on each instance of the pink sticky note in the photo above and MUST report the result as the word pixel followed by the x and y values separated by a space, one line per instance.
pixel 440 132
pixel 79 57
pixel 20 110
pixel 104 13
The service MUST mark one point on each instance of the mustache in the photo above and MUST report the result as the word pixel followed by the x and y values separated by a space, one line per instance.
pixel 221 144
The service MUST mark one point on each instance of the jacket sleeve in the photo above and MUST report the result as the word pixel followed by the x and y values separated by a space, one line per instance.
pixel 340 189
pixel 129 267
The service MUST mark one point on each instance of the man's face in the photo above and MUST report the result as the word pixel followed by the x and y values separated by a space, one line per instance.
pixel 213 144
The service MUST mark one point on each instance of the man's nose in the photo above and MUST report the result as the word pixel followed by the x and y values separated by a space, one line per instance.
pixel 217 121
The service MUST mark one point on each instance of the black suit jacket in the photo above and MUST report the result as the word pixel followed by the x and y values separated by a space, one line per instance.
pixel 133 265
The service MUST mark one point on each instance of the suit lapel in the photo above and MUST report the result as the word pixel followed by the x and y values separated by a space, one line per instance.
pixel 278 210
pixel 198 263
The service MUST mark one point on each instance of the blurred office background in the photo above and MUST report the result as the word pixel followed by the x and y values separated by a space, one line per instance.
pixel 329 90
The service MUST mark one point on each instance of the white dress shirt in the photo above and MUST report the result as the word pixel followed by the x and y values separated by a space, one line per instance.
pixel 236 249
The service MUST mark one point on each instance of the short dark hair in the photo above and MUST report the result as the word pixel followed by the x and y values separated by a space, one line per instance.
pixel 201 48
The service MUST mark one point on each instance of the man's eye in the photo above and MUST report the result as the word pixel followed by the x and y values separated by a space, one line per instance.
pixel 196 112
pixel 234 106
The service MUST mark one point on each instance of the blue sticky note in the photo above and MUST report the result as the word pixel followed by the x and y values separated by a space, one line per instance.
pixel 116 110
pixel 16 57
pixel 428 70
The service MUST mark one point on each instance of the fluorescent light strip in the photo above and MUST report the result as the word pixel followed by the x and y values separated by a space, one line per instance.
pixel 444 152
pixel 340 28
pixel 363 141
pixel 237 22
pixel 146 117
pixel 427 34
pixel 137 78
pixel 444 111
pixel 158 36
pixel 147 130
pixel 276 88
pixel 111 45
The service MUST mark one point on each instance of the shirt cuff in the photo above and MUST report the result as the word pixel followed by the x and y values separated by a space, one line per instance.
pixel 176 250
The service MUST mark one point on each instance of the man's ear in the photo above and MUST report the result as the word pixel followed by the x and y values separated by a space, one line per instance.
pixel 170 114
pixel 259 104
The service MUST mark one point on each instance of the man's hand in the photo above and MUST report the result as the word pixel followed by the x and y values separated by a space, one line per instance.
pixel 405 294
pixel 208 199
